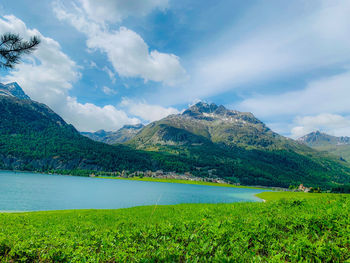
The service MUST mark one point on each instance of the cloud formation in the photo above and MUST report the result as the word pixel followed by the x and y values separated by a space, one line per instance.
pixel 271 47
pixel 329 95
pixel 49 74
pixel 92 118
pixel 329 123
pixel 126 50
pixel 116 10
pixel 108 91
pixel 321 105
pixel 145 111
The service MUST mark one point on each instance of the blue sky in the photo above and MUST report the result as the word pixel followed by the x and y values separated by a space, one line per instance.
pixel 103 64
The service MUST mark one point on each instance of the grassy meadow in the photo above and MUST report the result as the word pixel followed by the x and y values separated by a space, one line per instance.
pixel 289 227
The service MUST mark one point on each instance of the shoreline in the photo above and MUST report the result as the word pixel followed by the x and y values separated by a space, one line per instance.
pixel 182 181
pixel 144 179
pixel 270 196
pixel 10 211
pixel 161 180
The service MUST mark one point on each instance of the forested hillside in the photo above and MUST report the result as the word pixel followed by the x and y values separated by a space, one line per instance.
pixel 220 144
pixel 239 147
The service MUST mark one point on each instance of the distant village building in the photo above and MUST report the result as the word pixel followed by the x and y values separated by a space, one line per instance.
pixel 303 188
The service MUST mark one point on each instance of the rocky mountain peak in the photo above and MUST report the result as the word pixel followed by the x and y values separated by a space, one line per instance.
pixel 211 112
pixel 200 108
pixel 203 108
pixel 13 90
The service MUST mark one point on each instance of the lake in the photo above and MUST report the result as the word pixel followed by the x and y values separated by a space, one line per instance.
pixel 21 191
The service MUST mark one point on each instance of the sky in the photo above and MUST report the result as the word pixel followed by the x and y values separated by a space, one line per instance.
pixel 103 64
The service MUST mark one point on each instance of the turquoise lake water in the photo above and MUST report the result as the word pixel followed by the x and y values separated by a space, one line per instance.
pixel 38 192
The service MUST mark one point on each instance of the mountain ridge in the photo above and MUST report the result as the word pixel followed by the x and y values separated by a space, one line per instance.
pixel 207 141
pixel 122 135
pixel 33 137
pixel 320 138
pixel 220 125
pixel 241 141
pixel 338 146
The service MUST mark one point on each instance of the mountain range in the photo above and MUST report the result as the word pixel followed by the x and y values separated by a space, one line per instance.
pixel 126 133
pixel 339 146
pixel 203 123
pixel 205 140
pixel 236 143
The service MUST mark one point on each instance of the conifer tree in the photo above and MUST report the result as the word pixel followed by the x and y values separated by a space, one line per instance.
pixel 12 47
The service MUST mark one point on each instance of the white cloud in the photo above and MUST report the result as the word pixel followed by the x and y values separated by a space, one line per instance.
pixel 48 75
pixel 253 51
pixel 321 105
pixel 110 73
pixel 92 64
pixel 126 50
pixel 116 10
pixel 92 117
pixel 109 91
pixel 130 57
pixel 329 94
pixel 329 123
pixel 146 111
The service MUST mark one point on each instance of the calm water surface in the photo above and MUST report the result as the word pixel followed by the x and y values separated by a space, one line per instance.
pixel 37 192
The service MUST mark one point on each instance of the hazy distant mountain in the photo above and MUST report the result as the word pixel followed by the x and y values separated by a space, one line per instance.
pixel 322 139
pixel 339 146
pixel 124 134
pixel 12 90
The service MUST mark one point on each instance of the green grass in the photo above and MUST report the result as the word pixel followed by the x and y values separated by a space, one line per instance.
pixel 178 181
pixel 273 196
pixel 297 229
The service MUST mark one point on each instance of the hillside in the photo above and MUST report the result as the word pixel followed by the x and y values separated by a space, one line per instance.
pixel 122 135
pixel 209 122
pixel 205 141
pixel 238 147
pixel 33 137
pixel 339 146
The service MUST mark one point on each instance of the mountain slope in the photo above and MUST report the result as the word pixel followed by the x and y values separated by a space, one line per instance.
pixel 220 125
pixel 238 147
pixel 339 146
pixel 122 135
pixel 33 137
pixel 206 140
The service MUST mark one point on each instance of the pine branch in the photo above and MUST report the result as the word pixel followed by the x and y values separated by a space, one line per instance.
pixel 12 47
